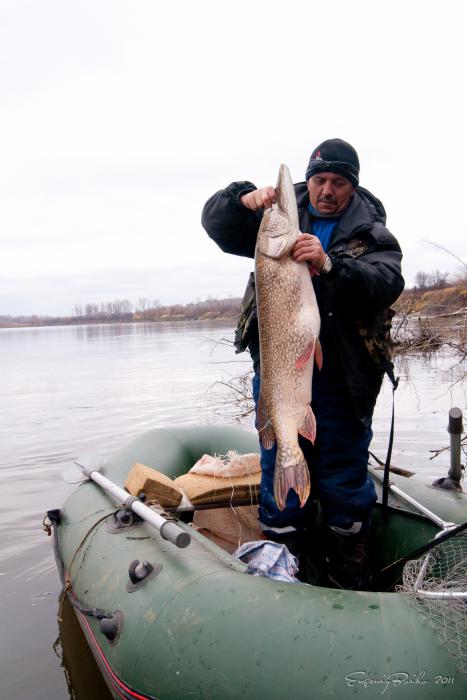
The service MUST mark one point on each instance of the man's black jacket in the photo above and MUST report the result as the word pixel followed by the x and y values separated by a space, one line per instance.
pixel 354 297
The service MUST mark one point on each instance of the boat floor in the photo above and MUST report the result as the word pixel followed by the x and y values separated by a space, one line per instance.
pixel 231 526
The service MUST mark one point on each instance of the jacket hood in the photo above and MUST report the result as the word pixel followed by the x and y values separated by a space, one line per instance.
pixel 374 204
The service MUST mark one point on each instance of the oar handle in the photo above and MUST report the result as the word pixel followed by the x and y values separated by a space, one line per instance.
pixel 172 532
pixel 168 529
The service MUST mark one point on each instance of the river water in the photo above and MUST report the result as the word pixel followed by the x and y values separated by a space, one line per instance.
pixel 68 390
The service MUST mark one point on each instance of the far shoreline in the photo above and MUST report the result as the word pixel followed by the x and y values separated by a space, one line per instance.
pixel 63 323
pixel 122 311
pixel 419 302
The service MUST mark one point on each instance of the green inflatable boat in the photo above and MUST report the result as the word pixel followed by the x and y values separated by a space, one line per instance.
pixel 187 622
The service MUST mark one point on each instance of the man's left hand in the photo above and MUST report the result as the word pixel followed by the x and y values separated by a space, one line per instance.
pixel 308 249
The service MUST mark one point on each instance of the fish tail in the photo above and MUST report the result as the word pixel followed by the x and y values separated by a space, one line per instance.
pixel 296 477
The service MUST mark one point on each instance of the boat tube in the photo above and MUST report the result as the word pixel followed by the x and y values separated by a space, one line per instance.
pixel 172 622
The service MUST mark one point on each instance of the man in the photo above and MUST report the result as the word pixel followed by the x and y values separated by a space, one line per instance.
pixel 358 261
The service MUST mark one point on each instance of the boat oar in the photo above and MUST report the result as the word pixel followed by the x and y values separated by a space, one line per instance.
pixel 394 470
pixel 168 529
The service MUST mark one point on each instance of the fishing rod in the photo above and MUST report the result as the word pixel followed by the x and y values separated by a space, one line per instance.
pixel 167 528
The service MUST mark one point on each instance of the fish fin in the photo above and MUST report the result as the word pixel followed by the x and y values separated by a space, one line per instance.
pixel 265 430
pixel 308 427
pixel 285 191
pixel 296 477
pixel 276 246
pixel 301 362
pixel 277 236
pixel 318 354
pixel 267 436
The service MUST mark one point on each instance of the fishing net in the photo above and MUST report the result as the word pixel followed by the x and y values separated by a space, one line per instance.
pixel 437 582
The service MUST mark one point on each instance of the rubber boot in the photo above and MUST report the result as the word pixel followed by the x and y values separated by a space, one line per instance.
pixel 299 542
pixel 295 541
pixel 347 558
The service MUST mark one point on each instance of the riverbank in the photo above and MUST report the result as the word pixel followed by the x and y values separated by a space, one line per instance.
pixel 449 300
pixel 111 312
pixel 429 319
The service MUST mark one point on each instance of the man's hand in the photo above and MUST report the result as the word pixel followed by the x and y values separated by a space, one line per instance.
pixel 308 249
pixel 263 198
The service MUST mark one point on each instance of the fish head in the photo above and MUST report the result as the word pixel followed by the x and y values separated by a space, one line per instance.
pixel 279 227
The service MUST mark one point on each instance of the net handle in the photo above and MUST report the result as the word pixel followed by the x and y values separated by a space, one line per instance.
pixel 442 536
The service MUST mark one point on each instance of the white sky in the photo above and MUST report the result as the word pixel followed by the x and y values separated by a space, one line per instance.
pixel 120 118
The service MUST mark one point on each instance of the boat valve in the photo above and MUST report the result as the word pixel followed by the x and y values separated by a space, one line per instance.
pixel 140 572
pixel 123 518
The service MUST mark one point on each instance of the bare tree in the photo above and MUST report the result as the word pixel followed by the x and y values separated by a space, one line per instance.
pixel 421 279
pixel 143 304
pixel 438 280
pixel 431 280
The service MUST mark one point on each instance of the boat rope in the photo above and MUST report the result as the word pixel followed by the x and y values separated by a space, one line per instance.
pixel 50 522
pixel 226 458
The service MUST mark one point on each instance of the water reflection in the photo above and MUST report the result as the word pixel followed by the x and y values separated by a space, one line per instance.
pixel 102 330
pixel 83 678
pixel 430 384
pixel 450 365
pixel 98 331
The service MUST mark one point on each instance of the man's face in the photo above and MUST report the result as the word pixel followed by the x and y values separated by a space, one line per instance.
pixel 329 193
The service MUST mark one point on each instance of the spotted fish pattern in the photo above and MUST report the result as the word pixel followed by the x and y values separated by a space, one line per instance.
pixel 289 324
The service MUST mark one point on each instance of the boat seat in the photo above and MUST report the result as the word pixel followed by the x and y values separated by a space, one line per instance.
pixel 200 489
pixel 229 528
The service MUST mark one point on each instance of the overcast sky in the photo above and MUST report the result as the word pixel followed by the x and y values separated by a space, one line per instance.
pixel 119 120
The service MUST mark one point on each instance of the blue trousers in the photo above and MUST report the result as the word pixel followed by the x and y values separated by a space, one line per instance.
pixel 337 461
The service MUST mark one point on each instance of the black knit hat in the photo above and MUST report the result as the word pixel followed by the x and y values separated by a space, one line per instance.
pixel 335 156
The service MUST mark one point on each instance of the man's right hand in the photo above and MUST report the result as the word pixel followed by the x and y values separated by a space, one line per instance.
pixel 263 198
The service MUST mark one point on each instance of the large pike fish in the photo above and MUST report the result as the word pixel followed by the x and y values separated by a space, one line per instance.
pixel 289 325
